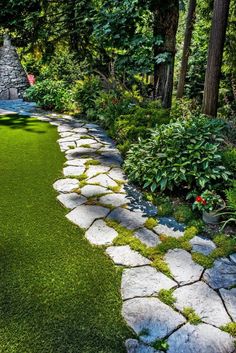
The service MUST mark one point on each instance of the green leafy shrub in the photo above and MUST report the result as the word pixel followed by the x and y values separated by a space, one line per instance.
pixel 182 154
pixel 51 94
pixel 86 93
pixel 229 160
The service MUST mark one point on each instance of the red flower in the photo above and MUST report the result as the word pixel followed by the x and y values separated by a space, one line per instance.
pixel 204 202
pixel 199 199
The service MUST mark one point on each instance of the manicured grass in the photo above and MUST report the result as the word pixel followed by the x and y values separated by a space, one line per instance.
pixel 58 294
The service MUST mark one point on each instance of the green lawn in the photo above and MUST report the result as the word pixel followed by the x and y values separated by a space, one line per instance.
pixel 57 293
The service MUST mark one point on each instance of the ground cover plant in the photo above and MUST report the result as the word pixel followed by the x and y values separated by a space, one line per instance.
pixel 57 293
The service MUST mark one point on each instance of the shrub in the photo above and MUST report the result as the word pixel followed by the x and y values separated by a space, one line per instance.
pixel 183 214
pixel 182 154
pixel 51 94
pixel 229 160
pixel 86 93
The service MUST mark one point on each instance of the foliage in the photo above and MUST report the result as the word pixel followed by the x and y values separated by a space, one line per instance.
pixel 229 160
pixel 181 154
pixel 51 94
pixel 208 201
pixel 151 223
pixel 183 214
pixel 231 206
pixel 86 92
pixel 191 316
pixel 161 344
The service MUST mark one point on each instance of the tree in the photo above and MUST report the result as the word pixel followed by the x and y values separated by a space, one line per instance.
pixel 215 53
pixel 186 48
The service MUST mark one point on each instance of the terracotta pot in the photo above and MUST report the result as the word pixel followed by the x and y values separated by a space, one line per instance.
pixel 210 218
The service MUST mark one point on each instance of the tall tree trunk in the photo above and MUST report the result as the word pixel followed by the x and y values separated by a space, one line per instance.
pixel 186 49
pixel 215 53
pixel 165 24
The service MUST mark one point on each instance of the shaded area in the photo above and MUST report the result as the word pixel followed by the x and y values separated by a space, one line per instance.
pixel 57 293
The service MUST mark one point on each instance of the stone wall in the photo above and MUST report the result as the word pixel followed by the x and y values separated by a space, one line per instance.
pixel 13 79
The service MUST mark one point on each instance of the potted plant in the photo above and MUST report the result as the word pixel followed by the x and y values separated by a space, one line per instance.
pixel 210 204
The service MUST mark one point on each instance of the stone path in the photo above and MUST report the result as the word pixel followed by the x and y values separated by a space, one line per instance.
pixel 99 199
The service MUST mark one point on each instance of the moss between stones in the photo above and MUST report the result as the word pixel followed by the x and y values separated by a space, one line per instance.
pixel 161 345
pixel 166 296
pixel 85 146
pixel 115 189
pixel 151 223
pixel 161 265
pixel 230 328
pixel 225 247
pixel 92 162
pixel 82 177
pixel 85 137
pixel 191 316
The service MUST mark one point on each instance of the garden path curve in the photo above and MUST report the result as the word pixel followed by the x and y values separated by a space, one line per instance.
pixel 115 215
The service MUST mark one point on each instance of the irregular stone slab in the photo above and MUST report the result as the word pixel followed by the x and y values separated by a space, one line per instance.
pixel 85 142
pixel 147 237
pixel 68 139
pixel 162 229
pixel 151 315
pixel 93 190
pixel 202 338
pixel 144 281
pixel 71 200
pixel 100 234
pixel 229 298
pixel 233 258
pixel 125 256
pixel 222 274
pixel 81 130
pixel 115 200
pixel 84 215
pixel 182 267
pixel 66 134
pixel 137 201
pixel 134 346
pixel 103 180
pixel 203 245
pixel 77 162
pixel 117 174
pixel 80 151
pixel 111 160
pixel 172 223
pixel 96 169
pixel 66 185
pixel 64 128
pixel 64 146
pixel 73 170
pixel 127 218
pixel 205 302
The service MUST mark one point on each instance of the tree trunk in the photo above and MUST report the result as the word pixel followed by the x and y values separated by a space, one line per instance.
pixel 165 24
pixel 215 53
pixel 186 49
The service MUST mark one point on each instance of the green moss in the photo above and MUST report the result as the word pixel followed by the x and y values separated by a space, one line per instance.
pixel 161 265
pixel 191 316
pixel 116 188
pixel 161 345
pixel 82 177
pixel 85 137
pixel 183 214
pixel 203 260
pixel 198 224
pixel 190 232
pixel 230 328
pixel 151 223
pixel 92 162
pixel 85 146
pixel 169 243
pixel 166 296
pixel 82 183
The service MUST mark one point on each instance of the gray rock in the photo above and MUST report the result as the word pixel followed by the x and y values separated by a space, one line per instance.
pixel 103 180
pixel 151 315
pixel 147 237
pixel 222 274
pixel 125 256
pixel 85 215
pixel 205 301
pixel 203 245
pixel 162 229
pixel 233 258
pixel 202 338
pixel 115 200
pixel 81 130
pixel 127 218
pixel 229 298
pixel 134 346
pixel 73 170
pixel 87 141
pixel 144 281
pixel 71 200
pixel 93 190
pixel 64 146
pixel 66 185
pixel 117 174
pixel 64 128
pixel 96 169
pixel 182 267
pixel 77 162
pixel 100 234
